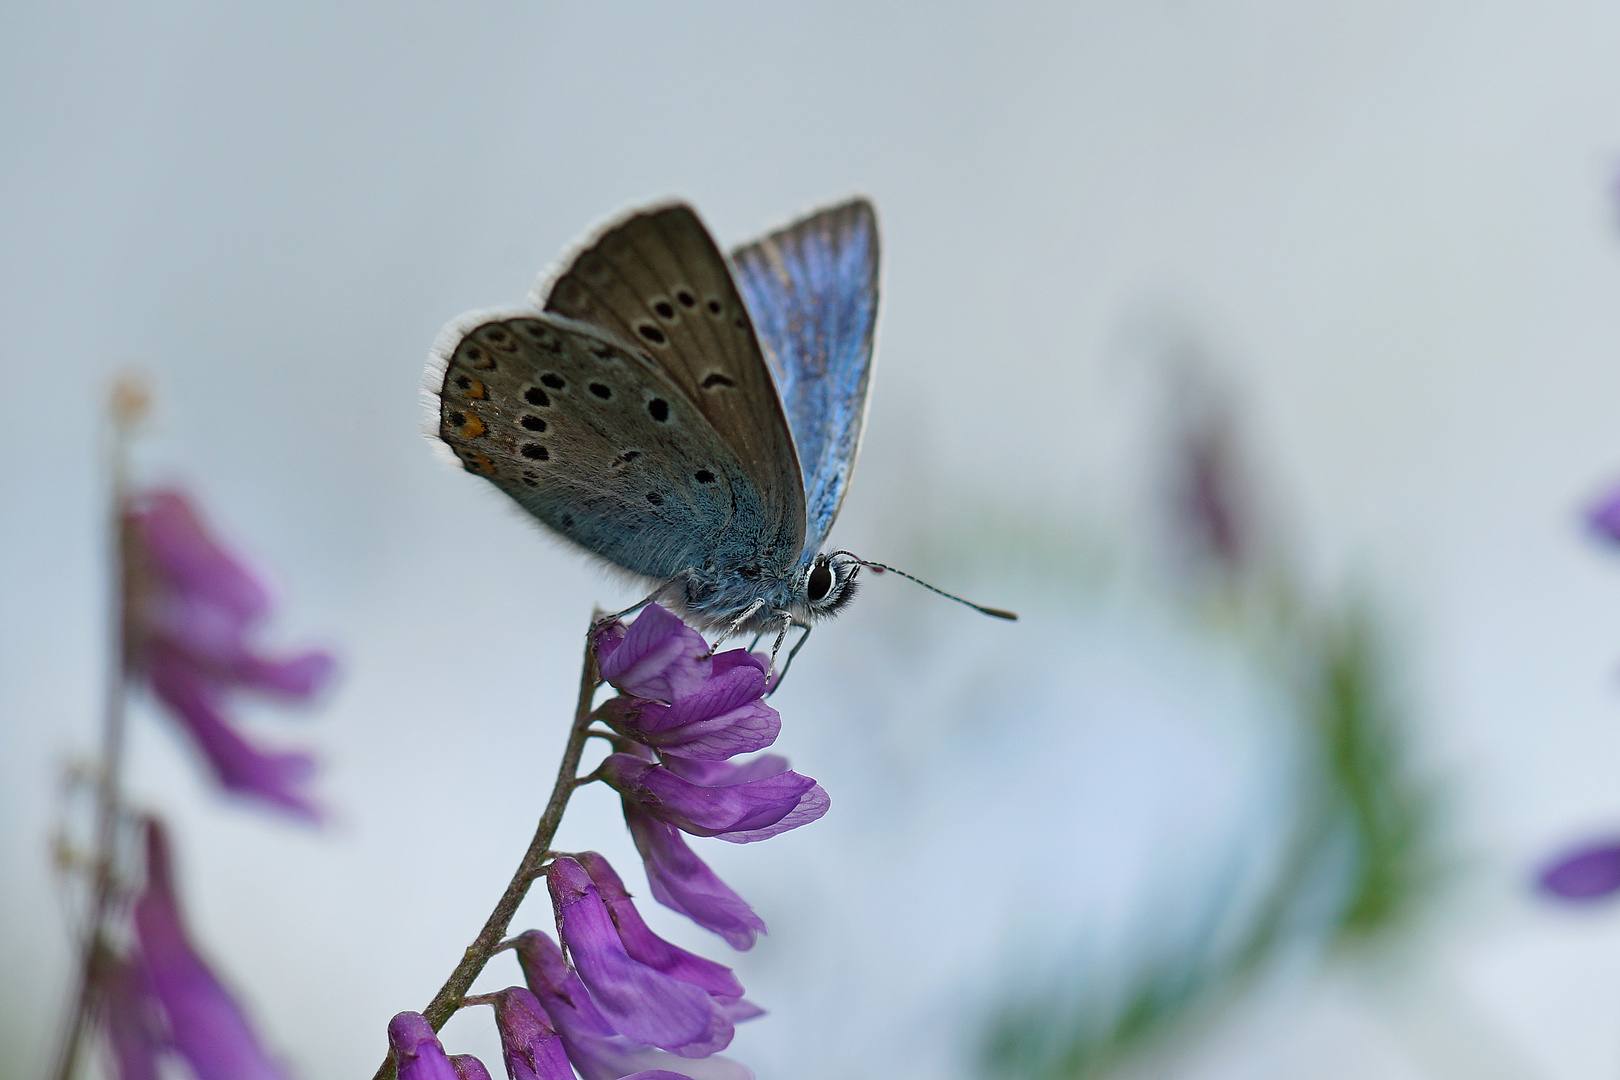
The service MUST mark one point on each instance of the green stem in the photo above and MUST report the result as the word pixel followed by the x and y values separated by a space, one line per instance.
pixel 452 994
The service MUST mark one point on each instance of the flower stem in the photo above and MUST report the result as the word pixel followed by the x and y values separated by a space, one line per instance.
pixel 128 403
pixel 452 994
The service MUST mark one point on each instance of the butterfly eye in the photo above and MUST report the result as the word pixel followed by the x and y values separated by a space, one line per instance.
pixel 819 583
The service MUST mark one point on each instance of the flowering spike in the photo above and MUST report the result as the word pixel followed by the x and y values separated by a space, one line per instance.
pixel 637 1000
pixel 417 1052
pixel 206 1025
pixel 683 882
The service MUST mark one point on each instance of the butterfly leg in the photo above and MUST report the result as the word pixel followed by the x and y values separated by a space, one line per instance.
pixel 797 645
pixel 736 625
pixel 637 606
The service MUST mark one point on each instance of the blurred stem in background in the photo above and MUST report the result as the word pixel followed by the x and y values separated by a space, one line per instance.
pixel 1360 856
pixel 128 407
pixel 183 615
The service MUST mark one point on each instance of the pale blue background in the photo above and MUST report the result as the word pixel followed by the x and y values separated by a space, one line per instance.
pixel 1388 222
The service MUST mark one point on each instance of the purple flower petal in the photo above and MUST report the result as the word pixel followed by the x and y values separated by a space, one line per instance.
pixel 594 1047
pixel 812 805
pixel 275 778
pixel 296 679
pixel 191 562
pixel 531 1047
pixel 748 809
pixel 1588 873
pixel 134 1029
pixel 741 729
pixel 468 1067
pixel 1603 517
pixel 206 1025
pixel 722 773
pixel 416 1049
pixel 657 656
pixel 637 1000
pixel 683 882
pixel 190 607
pixel 648 948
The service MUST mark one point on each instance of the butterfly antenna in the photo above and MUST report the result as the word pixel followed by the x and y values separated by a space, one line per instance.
pixel 996 613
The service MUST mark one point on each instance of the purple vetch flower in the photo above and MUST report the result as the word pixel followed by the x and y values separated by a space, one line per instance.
pixel 1590 872
pixel 738 803
pixel 594 1046
pixel 657 656
pixel 206 1025
pixel 418 1055
pixel 530 1044
pixel 722 716
pixel 646 947
pixel 637 1000
pixel 683 882
pixel 190 611
pixel 468 1067
pixel 1603 517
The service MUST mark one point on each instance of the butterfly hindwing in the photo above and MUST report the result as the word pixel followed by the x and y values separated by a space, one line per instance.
pixel 656 280
pixel 596 442
pixel 812 289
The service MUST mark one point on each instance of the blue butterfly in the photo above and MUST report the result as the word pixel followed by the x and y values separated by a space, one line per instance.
pixel 690 420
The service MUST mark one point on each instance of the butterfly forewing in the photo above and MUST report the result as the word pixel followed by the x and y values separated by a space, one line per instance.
pixel 812 289
pixel 657 280
pixel 597 443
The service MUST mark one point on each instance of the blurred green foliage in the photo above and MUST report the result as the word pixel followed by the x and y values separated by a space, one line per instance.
pixel 1358 864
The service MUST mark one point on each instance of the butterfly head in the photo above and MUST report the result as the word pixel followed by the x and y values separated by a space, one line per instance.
pixel 829 584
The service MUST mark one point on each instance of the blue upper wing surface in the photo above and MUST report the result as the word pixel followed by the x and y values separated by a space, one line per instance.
pixel 812 289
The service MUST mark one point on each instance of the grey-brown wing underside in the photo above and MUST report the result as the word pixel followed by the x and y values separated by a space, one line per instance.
pixel 657 281
pixel 597 443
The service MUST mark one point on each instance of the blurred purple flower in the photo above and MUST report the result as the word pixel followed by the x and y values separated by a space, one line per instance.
pixel 206 1026
pixel 190 611
pixel 530 1044
pixel 1603 517
pixel 417 1052
pixel 1590 872
pixel 721 716
pixel 636 999
pixel 683 882
pixel 738 803
pixel 594 1046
